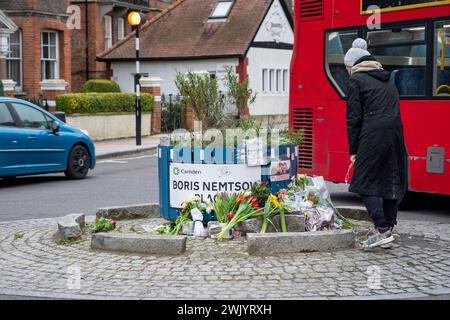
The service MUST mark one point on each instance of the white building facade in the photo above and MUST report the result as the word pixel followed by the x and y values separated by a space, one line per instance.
pixel 266 63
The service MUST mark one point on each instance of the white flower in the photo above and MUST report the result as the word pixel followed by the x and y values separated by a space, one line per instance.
pixel 194 199
pixel 247 194
pixel 208 210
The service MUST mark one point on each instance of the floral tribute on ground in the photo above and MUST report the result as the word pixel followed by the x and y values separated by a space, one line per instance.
pixel 305 196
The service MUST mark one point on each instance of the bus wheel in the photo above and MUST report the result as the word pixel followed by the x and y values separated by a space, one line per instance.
pixel 407 201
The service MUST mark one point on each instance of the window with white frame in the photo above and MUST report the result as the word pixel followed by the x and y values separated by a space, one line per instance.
pixel 265 80
pixel 108 31
pixel 49 55
pixel 271 80
pixel 275 80
pixel 279 73
pixel 120 28
pixel 14 58
pixel 222 9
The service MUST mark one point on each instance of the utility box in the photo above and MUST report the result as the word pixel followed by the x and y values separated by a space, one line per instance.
pixel 435 160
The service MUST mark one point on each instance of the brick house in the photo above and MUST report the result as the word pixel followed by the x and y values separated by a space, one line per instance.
pixel 7 27
pixel 39 60
pixel 48 45
pixel 106 24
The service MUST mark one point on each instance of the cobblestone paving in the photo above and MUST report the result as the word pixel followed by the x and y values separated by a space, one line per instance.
pixel 34 265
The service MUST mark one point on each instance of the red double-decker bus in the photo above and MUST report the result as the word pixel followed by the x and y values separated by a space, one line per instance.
pixel 413 42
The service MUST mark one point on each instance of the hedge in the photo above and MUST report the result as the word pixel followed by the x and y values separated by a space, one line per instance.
pixel 100 86
pixel 102 102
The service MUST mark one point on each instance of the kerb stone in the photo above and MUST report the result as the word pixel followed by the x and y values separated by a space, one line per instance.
pixel 296 242
pixel 141 211
pixel 70 227
pixel 135 243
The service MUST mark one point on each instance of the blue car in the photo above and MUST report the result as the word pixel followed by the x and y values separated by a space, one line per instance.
pixel 33 141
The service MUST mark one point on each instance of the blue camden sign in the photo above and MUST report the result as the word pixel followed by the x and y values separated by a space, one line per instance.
pixel 204 172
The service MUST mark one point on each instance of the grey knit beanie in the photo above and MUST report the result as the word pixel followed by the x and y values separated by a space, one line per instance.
pixel 358 50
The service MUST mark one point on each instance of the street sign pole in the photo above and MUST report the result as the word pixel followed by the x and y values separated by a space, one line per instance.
pixel 138 92
pixel 136 20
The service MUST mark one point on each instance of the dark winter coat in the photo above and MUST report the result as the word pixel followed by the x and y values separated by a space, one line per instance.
pixel 375 133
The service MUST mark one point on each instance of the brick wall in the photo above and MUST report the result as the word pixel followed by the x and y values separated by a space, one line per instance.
pixel 96 44
pixel 32 17
pixel 95 40
pixel 31 27
pixel 53 6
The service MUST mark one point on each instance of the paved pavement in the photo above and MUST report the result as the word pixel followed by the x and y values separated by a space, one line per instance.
pixel 121 147
pixel 34 266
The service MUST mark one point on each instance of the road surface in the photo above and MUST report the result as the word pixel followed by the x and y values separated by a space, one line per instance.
pixel 134 180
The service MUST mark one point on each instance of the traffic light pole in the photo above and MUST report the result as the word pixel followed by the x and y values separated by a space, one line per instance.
pixel 137 86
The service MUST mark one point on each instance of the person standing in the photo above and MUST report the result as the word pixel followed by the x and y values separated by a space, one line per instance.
pixel 376 142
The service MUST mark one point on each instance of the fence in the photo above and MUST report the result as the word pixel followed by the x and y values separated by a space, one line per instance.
pixel 171 112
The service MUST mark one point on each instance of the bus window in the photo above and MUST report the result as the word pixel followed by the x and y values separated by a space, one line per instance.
pixel 402 51
pixel 441 82
pixel 338 43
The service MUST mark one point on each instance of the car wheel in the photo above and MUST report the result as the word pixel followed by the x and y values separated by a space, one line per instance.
pixel 79 163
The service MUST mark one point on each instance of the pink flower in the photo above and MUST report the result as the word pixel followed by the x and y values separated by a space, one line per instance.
pixel 230 216
pixel 264 184
pixel 113 222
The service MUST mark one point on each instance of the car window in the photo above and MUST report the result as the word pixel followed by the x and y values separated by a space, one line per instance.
pixel 6 119
pixel 30 117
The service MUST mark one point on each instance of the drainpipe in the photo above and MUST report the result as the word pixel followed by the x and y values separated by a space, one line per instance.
pixel 87 37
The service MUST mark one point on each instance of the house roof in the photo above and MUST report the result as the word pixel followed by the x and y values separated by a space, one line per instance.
pixel 183 32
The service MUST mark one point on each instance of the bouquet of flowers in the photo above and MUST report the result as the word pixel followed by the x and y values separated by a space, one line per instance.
pixel 245 207
pixel 261 192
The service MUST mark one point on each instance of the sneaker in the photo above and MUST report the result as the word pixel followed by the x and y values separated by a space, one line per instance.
pixel 387 245
pixel 379 238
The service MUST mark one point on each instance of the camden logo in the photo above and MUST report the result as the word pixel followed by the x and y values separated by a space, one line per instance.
pixel 176 171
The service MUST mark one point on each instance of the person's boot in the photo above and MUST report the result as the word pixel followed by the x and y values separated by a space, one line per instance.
pixel 382 236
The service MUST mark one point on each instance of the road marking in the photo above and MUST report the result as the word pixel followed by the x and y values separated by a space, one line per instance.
pixel 113 161
pixel 125 160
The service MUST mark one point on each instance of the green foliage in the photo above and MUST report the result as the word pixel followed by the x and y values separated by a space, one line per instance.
pixel 224 204
pixel 103 225
pixel 249 123
pixel 293 137
pixel 102 102
pixel 100 86
pixel 200 92
pixel 239 92
pixel 166 229
pixel 18 235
